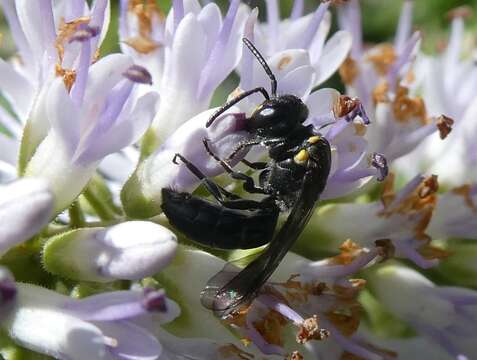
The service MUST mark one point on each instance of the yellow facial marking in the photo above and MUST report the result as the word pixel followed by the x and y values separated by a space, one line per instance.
pixel 313 139
pixel 301 157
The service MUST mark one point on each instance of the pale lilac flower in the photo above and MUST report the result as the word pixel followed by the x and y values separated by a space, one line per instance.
pixel 380 78
pixel 42 32
pixel 445 315
pixel 25 208
pixel 448 83
pixel 307 32
pixel 104 326
pixel 96 118
pixel 397 224
pixel 188 54
pixel 131 250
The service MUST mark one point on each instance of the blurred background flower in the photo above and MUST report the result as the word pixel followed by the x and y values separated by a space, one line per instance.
pixel 97 96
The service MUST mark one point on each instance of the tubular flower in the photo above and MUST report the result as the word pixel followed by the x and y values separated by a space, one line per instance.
pixel 397 225
pixel 443 77
pixel 45 51
pixel 381 78
pixel 97 117
pixel 91 142
pixel 164 44
pixel 443 314
pixel 97 327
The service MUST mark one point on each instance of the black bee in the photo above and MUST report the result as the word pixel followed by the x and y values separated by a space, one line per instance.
pixel 292 180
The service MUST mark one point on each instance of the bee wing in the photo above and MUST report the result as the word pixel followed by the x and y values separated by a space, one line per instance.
pixel 231 288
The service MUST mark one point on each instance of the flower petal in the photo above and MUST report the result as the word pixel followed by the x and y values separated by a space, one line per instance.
pixel 334 53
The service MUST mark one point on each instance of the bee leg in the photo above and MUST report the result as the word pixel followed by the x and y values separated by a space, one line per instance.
pixel 255 165
pixel 217 191
pixel 249 184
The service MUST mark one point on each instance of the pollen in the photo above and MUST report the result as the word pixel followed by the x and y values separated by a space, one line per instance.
pixel 284 61
pixel 344 105
pixel 270 327
pixel 69 76
pixel 444 124
pixel 382 57
pixel 349 71
pixel 295 356
pixel 310 330
pixel 406 108
pixel 380 93
pixel 349 251
pixel 313 139
pixel 301 157
pixel 65 31
pixel 147 13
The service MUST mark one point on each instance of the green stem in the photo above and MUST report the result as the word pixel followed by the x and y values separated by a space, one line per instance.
pixel 76 215
pixel 104 212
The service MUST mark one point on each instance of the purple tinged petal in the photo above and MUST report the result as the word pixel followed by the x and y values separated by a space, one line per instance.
pixel 79 87
pixel 49 32
pixel 297 10
pixel 130 341
pixel 39 32
pixel 454 47
pixel 404 27
pixel 408 250
pixel 63 115
pixel 323 269
pixel 123 20
pixel 404 58
pixel 98 16
pixel 17 89
pixel 246 68
pixel 333 54
pixel 128 129
pixel 106 120
pixel 273 21
pixel 178 7
pixel 16 29
pixel 348 344
pixel 350 20
pixel 25 207
pixel 210 76
pixel 314 25
pixel 281 308
pixel 111 306
pixel 75 9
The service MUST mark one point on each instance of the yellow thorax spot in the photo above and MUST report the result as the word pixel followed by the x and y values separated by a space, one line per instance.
pixel 301 157
pixel 313 139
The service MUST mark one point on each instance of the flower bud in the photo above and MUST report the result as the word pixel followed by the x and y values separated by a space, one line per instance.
pixel 131 250
pixel 25 207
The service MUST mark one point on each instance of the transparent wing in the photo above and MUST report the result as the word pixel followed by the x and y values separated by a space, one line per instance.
pixel 232 288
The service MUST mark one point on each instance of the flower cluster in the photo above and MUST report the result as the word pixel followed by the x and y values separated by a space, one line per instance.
pixel 90 268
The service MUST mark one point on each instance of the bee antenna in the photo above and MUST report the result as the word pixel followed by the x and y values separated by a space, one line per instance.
pixel 264 64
